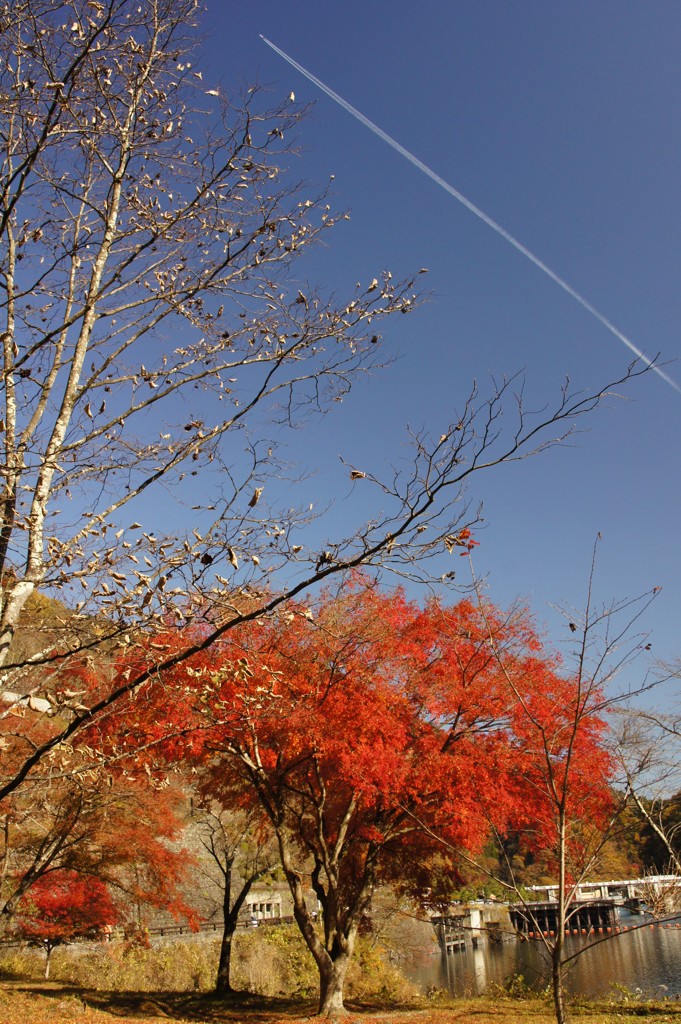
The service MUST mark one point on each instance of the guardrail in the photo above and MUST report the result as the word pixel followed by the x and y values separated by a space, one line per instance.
pixel 162 931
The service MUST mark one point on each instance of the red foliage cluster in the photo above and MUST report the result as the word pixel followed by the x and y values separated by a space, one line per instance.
pixel 379 728
pixel 380 742
pixel 63 906
pixel 81 824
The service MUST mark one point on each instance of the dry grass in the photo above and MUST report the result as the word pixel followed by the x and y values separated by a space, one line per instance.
pixel 119 982
pixel 48 1003
pixel 266 962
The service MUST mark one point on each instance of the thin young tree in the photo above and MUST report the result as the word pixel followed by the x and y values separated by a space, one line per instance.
pixel 64 908
pixel 560 715
pixel 121 832
pixel 241 852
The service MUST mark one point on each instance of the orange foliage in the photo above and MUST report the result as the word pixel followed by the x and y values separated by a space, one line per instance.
pixel 371 724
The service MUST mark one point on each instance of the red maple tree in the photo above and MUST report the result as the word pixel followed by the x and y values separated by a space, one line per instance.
pixel 367 729
pixel 64 906
pixel 377 737
pixel 85 814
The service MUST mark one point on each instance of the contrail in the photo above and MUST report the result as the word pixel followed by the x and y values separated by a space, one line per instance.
pixel 475 210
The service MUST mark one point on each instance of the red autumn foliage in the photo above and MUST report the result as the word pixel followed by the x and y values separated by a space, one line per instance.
pixel 75 816
pixel 560 729
pixel 369 731
pixel 64 906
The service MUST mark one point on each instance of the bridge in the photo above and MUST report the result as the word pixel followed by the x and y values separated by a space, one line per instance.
pixel 619 890
pixel 595 909
pixel 585 918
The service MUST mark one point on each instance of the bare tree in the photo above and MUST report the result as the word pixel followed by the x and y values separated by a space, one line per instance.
pixel 154 334
pixel 571 768
pixel 147 311
pixel 240 852
pixel 650 761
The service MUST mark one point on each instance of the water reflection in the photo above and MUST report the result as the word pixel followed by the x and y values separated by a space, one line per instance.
pixel 648 958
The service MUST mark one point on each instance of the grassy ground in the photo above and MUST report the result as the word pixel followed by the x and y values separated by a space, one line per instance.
pixel 21 1003
pixel 124 983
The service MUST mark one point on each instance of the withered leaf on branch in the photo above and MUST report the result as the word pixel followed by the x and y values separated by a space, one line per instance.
pixel 138 214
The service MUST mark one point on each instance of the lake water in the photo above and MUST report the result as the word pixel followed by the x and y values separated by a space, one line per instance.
pixel 648 959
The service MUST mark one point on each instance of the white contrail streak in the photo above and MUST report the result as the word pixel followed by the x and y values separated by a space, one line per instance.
pixel 475 210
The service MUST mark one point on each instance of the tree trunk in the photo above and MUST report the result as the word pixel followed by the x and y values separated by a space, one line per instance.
pixel 331 986
pixel 48 953
pixel 230 915
pixel 557 966
pixel 223 985
pixel 231 911
pixel 557 985
pixel 334 954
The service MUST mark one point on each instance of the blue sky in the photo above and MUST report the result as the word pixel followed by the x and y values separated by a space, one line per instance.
pixel 561 121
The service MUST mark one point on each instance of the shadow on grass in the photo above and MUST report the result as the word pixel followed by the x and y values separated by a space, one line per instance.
pixel 50 1000
pixel 231 1009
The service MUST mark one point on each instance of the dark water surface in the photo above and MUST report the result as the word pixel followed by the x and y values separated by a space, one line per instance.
pixel 648 959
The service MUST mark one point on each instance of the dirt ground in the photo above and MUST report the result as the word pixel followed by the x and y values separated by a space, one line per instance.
pixel 56 1004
